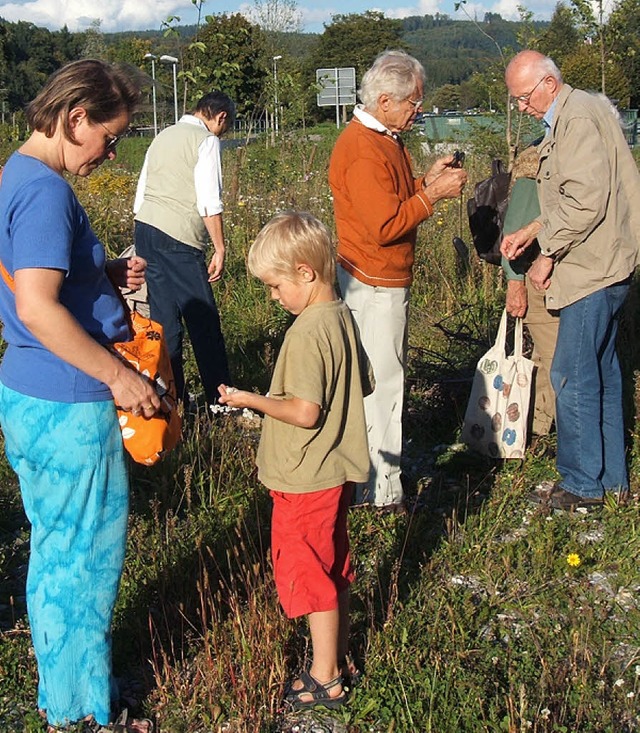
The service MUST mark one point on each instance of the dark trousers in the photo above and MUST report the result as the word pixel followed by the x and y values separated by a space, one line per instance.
pixel 179 290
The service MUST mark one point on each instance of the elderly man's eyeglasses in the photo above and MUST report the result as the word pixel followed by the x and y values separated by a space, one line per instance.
pixel 525 98
pixel 415 103
pixel 113 139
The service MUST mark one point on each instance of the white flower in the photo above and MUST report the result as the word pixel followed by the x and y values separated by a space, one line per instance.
pixel 618 683
pixel 631 695
pixel 545 713
pixel 637 670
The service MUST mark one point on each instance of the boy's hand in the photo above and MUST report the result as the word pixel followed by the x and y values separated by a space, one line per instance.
pixel 233 397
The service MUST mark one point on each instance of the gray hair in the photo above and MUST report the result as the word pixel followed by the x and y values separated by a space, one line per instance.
pixel 394 73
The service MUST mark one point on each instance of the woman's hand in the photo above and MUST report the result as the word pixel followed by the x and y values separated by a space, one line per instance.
pixel 133 392
pixel 39 308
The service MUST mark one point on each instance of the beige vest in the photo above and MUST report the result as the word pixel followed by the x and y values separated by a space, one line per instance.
pixel 170 193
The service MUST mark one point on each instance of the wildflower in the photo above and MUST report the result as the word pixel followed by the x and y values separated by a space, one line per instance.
pixel 574 560
pixel 631 695
pixel 618 683
pixel 545 713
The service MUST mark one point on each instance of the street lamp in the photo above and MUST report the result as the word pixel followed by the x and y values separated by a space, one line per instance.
pixel 275 90
pixel 174 62
pixel 152 58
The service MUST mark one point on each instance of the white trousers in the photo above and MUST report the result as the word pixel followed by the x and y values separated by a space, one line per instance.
pixel 381 315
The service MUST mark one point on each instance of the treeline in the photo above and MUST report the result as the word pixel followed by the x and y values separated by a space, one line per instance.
pixel 464 59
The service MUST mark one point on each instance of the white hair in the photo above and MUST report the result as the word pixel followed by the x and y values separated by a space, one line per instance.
pixel 611 106
pixel 548 67
pixel 533 62
pixel 394 73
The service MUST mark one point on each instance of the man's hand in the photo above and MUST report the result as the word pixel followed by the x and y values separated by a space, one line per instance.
pixel 127 272
pixel 447 185
pixel 540 272
pixel 216 266
pixel 437 169
pixel 514 244
pixel 516 303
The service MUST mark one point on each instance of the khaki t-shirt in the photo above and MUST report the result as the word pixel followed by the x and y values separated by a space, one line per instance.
pixel 321 361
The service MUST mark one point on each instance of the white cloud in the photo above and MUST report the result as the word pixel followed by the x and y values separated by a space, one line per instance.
pixel 424 7
pixel 315 17
pixel 508 9
pixel 117 15
pixel 78 14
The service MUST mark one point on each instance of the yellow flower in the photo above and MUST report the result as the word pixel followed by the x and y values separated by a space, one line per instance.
pixel 574 559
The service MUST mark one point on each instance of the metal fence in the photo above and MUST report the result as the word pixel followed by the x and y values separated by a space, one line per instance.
pixel 629 124
pixel 439 128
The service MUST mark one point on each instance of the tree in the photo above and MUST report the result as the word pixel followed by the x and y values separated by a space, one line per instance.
pixel 276 16
pixel 67 45
pixel 356 40
pixel 30 59
pixel 446 97
pixel 594 31
pixel 623 30
pixel 94 45
pixel 227 56
pixel 129 50
pixel 562 38
pixel 583 69
pixel 502 52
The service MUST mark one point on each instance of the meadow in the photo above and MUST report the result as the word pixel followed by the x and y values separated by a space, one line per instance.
pixel 474 612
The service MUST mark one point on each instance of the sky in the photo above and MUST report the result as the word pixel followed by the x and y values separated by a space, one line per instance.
pixel 121 15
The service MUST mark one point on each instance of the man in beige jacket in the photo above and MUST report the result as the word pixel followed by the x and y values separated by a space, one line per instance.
pixel 588 232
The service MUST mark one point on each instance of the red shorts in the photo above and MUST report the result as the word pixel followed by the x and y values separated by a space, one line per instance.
pixel 310 549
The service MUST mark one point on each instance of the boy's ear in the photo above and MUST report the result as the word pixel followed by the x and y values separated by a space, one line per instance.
pixel 306 272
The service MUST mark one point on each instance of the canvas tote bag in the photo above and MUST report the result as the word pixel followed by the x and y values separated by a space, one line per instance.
pixel 495 422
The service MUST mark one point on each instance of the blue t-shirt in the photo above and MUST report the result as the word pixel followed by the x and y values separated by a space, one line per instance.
pixel 43 225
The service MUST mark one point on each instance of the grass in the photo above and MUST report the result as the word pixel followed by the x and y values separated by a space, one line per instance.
pixel 467 613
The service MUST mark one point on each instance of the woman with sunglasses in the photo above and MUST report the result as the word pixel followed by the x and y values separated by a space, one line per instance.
pixel 59 384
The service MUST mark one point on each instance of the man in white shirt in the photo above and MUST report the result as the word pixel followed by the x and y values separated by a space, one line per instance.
pixel 178 208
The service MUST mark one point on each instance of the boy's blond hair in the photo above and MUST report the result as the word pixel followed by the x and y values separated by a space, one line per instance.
pixel 290 239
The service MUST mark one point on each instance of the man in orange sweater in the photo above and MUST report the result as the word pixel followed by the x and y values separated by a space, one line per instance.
pixel 378 205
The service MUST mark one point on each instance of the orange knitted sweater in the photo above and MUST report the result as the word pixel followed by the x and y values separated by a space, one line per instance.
pixel 378 205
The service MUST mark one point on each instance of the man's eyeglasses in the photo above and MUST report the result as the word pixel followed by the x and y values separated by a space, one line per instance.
pixel 113 139
pixel 416 104
pixel 525 98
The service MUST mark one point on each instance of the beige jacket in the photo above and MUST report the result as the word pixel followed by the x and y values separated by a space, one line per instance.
pixel 589 190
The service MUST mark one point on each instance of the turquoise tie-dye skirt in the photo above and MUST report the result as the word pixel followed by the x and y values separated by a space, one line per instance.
pixel 73 477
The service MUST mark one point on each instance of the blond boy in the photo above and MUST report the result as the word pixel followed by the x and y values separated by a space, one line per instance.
pixel 313 444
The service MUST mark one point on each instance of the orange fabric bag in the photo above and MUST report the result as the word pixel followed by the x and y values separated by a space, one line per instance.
pixel 145 439
pixel 148 439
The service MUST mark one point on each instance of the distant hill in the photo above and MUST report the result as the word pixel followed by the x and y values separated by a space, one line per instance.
pixel 452 50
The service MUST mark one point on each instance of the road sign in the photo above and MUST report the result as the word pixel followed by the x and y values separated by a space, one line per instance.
pixel 337 87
